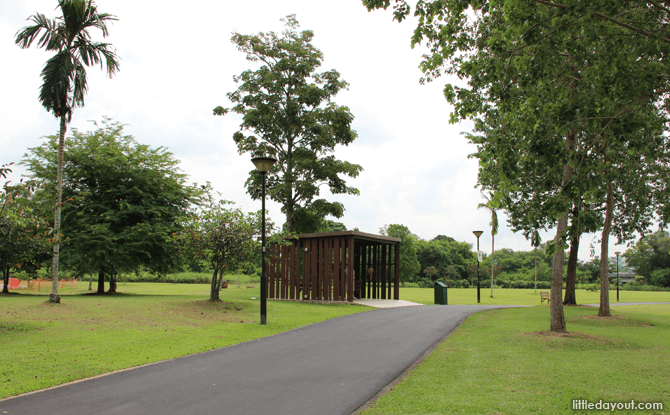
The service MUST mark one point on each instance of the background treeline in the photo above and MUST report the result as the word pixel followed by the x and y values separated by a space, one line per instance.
pixel 455 263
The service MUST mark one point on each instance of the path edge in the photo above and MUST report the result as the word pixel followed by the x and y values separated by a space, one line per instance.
pixel 409 369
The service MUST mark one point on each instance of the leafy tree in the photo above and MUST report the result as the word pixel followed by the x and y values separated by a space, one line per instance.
pixel 409 263
pixel 553 111
pixel 651 258
pixel 124 201
pixel 449 257
pixel 64 77
pixel 494 229
pixel 24 234
pixel 288 113
pixel 223 236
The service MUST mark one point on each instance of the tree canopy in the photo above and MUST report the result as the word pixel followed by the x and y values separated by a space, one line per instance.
pixel 124 201
pixel 558 121
pixel 409 263
pixel 221 235
pixel 651 258
pixel 288 113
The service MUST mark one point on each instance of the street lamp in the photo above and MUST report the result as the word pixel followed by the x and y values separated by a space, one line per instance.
pixel 617 275
pixel 263 165
pixel 478 234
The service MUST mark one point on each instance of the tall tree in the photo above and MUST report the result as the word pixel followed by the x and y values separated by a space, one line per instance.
pixel 64 77
pixel 490 206
pixel 548 94
pixel 124 200
pixel 288 113
pixel 409 262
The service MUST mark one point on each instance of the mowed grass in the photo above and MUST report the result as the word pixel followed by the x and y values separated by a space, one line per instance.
pixel 44 344
pixel 509 296
pixel 505 362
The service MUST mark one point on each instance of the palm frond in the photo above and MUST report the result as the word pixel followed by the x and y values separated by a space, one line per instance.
pixel 494 215
pixel 55 88
pixel 80 84
pixel 26 36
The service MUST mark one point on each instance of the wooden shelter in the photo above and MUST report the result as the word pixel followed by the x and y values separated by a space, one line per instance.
pixel 335 266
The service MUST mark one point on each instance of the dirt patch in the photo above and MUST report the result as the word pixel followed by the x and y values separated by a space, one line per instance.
pixel 218 305
pixel 48 304
pixel 608 318
pixel 202 311
pixel 572 335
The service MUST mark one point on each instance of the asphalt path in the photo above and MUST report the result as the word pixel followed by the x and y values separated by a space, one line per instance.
pixel 332 367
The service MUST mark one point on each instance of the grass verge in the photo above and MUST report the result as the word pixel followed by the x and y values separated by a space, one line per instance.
pixel 509 296
pixel 505 362
pixel 45 344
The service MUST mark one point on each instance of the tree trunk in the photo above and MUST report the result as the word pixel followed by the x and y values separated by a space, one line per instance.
pixel 54 297
pixel 604 310
pixel 5 279
pixel 571 277
pixel 90 282
pixel 535 270
pixel 101 282
pixel 112 283
pixel 556 304
pixel 214 292
pixel 493 263
pixel 220 279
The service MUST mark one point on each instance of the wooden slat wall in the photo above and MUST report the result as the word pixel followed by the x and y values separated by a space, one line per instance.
pixel 271 275
pixel 367 273
pixel 304 294
pixel 396 291
pixel 330 267
pixel 382 272
pixel 389 273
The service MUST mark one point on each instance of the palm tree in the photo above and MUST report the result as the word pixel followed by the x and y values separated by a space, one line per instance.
pixel 494 228
pixel 64 77
pixel 535 241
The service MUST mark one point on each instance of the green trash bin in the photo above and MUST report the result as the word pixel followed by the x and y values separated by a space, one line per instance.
pixel 441 293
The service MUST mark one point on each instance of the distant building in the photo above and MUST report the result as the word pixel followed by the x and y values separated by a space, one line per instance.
pixel 624 277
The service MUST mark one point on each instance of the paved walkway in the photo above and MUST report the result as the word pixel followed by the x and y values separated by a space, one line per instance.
pixel 377 303
pixel 332 367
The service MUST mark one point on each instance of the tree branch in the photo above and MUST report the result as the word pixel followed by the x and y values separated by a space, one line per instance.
pixel 607 18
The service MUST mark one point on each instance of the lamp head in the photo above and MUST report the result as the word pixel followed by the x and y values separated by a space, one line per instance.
pixel 264 164
pixel 478 233
pixel 617 254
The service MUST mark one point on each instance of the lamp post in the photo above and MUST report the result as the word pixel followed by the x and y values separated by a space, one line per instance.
pixel 478 234
pixel 617 275
pixel 263 165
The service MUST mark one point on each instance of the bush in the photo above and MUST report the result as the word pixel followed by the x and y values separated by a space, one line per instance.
pixel 641 286
pixel 426 283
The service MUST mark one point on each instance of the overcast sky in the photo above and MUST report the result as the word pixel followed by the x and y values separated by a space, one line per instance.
pixel 178 64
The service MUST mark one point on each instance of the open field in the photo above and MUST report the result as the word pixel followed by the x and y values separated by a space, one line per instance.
pixel 45 345
pixel 502 362
pixel 491 363
pixel 508 296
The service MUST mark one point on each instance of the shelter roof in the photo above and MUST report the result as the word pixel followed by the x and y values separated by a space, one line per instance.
pixel 362 236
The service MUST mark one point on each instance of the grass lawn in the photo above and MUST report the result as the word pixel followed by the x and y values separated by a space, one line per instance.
pixel 43 345
pixel 498 361
pixel 504 362
pixel 508 296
